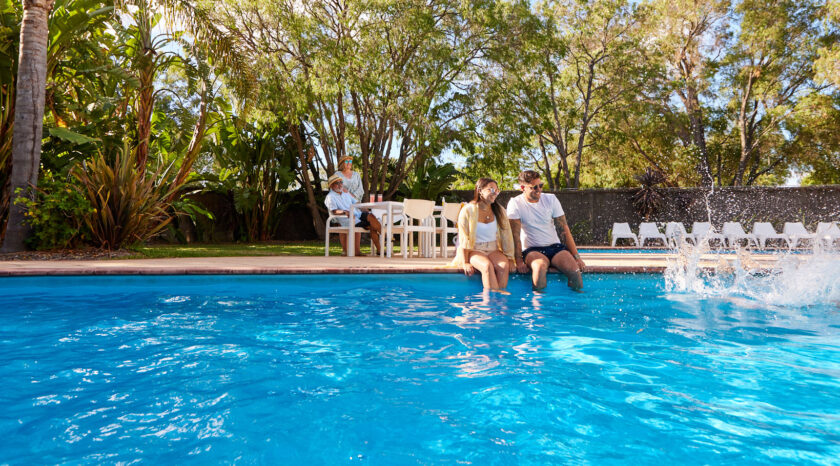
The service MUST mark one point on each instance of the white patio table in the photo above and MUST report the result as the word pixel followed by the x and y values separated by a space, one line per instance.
pixel 391 208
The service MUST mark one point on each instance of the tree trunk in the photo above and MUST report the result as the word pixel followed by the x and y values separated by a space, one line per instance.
pixel 698 135
pixel 744 133
pixel 146 98
pixel 584 125
pixel 145 106
pixel 7 100
pixel 194 148
pixel 29 112
pixel 311 202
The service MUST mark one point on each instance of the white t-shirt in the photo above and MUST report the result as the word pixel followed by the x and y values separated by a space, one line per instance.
pixel 343 201
pixel 537 219
pixel 485 232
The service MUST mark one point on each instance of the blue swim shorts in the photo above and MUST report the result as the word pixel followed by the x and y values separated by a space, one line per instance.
pixel 547 251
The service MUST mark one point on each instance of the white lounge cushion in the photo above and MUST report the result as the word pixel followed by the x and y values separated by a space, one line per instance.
pixel 704 231
pixel 649 230
pixel 764 231
pixel 675 232
pixel 622 231
pixel 734 232
pixel 828 232
pixel 796 232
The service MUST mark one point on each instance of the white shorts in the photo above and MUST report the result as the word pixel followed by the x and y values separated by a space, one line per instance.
pixel 487 247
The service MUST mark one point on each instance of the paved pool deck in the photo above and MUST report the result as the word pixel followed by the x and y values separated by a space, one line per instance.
pixel 595 262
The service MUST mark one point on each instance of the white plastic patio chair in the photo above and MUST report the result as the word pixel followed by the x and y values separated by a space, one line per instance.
pixel 622 231
pixel 649 230
pixel 447 223
pixel 675 233
pixel 332 226
pixel 764 232
pixel 418 216
pixel 734 233
pixel 796 232
pixel 705 232
pixel 828 233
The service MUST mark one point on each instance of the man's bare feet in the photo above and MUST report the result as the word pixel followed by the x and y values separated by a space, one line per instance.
pixel 576 282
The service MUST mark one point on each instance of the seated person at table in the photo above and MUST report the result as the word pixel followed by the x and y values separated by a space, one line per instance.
pixel 485 241
pixel 351 179
pixel 338 202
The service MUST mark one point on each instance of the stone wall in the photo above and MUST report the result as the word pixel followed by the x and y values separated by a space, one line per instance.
pixel 592 212
pixel 295 224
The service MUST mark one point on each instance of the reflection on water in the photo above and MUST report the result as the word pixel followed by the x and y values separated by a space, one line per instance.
pixel 406 370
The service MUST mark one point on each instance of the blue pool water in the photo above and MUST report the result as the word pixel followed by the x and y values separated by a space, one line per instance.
pixel 410 369
pixel 661 250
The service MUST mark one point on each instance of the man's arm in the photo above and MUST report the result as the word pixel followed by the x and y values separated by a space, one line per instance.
pixel 515 226
pixel 562 225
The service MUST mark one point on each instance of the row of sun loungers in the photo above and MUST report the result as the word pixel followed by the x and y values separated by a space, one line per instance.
pixel 793 234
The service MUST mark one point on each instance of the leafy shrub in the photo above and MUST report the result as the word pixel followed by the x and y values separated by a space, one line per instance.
pixel 428 180
pixel 129 206
pixel 648 200
pixel 55 213
pixel 256 164
pixel 582 232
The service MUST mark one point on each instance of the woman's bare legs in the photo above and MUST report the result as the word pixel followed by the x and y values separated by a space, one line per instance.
pixel 482 263
pixel 501 267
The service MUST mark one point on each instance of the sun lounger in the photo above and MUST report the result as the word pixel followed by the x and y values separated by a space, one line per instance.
pixel 796 232
pixel 828 233
pixel 705 232
pixel 649 230
pixel 675 233
pixel 734 232
pixel 622 231
pixel 764 231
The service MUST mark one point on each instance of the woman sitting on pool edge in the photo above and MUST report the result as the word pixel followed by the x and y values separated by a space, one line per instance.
pixel 485 241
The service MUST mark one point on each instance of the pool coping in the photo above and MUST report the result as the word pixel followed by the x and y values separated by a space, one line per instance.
pixel 284 265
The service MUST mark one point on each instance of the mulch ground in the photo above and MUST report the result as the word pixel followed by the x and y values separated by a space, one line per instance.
pixel 65 255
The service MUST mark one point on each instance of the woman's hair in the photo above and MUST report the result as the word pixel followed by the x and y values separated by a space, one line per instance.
pixel 481 184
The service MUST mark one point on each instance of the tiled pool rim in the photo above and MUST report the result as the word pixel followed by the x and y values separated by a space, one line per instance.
pixel 284 265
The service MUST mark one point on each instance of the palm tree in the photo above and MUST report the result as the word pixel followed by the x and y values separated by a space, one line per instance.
pixel 149 59
pixel 29 112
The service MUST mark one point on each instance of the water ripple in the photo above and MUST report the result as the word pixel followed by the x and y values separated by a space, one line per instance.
pixel 407 370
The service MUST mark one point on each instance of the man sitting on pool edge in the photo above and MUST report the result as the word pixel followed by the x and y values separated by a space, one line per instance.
pixel 338 202
pixel 534 221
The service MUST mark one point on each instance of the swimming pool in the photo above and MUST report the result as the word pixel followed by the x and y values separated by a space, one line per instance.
pixel 408 369
pixel 660 250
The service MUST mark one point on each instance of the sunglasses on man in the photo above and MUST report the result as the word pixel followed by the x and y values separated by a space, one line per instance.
pixel 538 187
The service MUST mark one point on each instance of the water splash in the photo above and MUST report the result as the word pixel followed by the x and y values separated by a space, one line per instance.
pixel 792 280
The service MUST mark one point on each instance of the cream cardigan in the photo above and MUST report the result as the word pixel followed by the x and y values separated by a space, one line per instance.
pixel 467 220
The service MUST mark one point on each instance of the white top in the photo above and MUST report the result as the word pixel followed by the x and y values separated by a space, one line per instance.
pixel 537 219
pixel 485 232
pixel 343 201
pixel 353 184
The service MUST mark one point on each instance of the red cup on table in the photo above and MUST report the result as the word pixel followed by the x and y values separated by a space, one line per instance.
pixel 378 197
pixel 372 197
